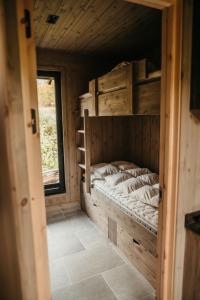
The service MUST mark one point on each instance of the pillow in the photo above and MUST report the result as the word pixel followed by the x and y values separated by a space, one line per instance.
pixel 124 165
pixel 157 186
pixel 130 185
pixel 94 167
pixel 137 172
pixel 148 195
pixel 106 170
pixel 127 166
pixel 151 178
pixel 115 179
pixel 119 162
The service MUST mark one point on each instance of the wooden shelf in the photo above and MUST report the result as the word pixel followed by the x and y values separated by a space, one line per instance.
pixel 81 131
pixel 82 166
pixel 81 149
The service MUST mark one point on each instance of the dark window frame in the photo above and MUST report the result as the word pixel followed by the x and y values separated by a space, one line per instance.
pixel 56 188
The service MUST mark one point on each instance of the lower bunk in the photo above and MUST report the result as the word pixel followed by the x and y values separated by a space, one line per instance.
pixel 133 231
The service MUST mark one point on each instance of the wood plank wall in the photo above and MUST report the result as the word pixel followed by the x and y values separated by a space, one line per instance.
pixel 76 72
pixel 134 138
pixel 144 141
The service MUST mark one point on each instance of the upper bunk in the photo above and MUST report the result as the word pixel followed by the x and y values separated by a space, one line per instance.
pixel 130 88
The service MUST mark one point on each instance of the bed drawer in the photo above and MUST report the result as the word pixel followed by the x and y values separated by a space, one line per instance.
pixel 141 258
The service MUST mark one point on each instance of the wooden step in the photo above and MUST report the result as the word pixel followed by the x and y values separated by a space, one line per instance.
pixel 82 166
pixel 81 149
pixel 81 131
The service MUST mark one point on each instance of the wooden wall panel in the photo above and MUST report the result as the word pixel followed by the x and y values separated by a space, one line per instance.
pixel 189 168
pixel 133 138
pixel 144 141
pixel 76 72
pixel 108 139
pixel 191 287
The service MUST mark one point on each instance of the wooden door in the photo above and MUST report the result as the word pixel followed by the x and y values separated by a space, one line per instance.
pixel 23 251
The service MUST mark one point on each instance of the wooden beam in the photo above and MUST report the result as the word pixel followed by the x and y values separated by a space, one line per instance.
pixel 87 149
pixel 158 4
pixel 169 146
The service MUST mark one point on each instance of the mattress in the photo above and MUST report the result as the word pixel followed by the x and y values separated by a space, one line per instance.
pixel 142 213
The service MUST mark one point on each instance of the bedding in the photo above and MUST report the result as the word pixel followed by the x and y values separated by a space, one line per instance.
pixel 124 165
pixel 106 170
pixel 138 172
pixel 97 166
pixel 136 194
pixel 130 185
pixel 151 178
pixel 115 179
pixel 148 195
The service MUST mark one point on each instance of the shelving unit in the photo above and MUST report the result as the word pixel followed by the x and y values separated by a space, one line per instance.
pixel 85 149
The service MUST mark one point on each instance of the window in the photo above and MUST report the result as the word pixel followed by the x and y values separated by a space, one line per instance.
pixel 51 135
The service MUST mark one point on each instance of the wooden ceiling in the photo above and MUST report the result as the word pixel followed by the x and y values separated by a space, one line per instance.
pixel 96 26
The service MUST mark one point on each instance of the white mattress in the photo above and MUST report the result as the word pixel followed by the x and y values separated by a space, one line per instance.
pixel 140 212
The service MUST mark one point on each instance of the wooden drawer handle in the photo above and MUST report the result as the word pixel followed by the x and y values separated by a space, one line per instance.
pixel 136 242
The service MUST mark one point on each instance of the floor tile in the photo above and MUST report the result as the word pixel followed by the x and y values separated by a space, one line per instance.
pixel 127 283
pixel 64 245
pixel 91 262
pixel 90 237
pixel 91 289
pixel 58 276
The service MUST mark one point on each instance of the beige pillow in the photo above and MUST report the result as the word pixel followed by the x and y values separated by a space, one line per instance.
pixel 130 185
pixel 119 162
pixel 124 165
pixel 157 186
pixel 138 172
pixel 151 178
pixel 97 166
pixel 148 195
pixel 115 179
pixel 127 166
pixel 106 170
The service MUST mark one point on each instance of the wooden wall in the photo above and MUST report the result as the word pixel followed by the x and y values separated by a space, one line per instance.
pixel 144 140
pixel 108 139
pixel 189 168
pixel 76 72
pixel 133 138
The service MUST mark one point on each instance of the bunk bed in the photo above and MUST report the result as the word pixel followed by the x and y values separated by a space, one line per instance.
pixel 123 203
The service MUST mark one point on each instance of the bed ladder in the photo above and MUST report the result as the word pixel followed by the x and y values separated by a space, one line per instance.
pixel 86 149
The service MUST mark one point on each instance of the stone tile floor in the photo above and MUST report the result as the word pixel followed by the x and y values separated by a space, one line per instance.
pixel 84 265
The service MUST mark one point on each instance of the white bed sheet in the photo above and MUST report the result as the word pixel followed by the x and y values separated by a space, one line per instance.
pixel 142 213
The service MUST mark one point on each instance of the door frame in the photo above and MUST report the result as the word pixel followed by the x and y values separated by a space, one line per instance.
pixel 172 12
pixel 30 209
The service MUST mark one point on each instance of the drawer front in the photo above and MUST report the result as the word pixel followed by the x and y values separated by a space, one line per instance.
pixel 115 103
pixel 140 257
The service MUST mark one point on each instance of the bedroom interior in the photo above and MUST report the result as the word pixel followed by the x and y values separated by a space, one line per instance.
pixel 98 180
pixel 116 125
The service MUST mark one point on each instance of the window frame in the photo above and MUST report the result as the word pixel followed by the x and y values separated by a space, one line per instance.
pixel 56 188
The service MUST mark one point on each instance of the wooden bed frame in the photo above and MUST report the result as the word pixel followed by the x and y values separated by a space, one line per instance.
pixel 137 242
